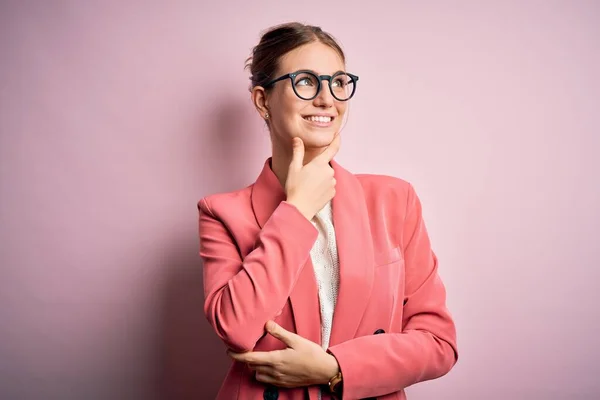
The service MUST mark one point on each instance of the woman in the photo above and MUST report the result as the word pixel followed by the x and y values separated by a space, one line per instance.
pixel 321 283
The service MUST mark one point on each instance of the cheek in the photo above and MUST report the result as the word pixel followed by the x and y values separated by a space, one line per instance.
pixel 290 108
pixel 341 108
pixel 284 110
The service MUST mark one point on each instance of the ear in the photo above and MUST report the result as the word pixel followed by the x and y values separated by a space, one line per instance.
pixel 260 100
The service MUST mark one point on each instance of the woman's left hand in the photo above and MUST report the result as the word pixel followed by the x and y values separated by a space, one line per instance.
pixel 303 363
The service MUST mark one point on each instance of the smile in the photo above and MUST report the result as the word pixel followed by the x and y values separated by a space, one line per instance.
pixel 319 119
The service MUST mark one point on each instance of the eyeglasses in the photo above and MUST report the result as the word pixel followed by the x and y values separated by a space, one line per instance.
pixel 307 84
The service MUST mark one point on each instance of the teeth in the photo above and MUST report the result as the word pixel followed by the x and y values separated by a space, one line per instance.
pixel 315 118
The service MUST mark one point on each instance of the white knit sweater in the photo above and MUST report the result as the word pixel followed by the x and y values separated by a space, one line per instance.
pixel 325 261
pixel 326 265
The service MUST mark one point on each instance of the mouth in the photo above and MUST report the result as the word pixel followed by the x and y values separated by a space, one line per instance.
pixel 319 120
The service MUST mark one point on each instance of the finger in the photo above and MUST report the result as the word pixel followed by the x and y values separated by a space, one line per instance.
pixel 297 154
pixel 253 357
pixel 287 337
pixel 331 150
pixel 263 369
pixel 241 357
pixel 265 378
pixel 279 381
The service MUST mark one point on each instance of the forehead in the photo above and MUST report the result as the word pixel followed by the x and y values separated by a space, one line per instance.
pixel 315 56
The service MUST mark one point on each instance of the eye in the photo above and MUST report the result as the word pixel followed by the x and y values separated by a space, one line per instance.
pixel 304 82
pixel 341 81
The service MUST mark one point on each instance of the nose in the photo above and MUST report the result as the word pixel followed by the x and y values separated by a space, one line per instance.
pixel 324 99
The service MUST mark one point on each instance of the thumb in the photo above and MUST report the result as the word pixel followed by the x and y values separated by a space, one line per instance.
pixel 287 337
pixel 297 154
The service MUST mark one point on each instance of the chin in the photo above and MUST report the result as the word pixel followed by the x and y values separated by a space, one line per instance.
pixel 318 138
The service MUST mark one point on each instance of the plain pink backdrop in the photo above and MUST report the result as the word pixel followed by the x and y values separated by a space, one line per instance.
pixel 116 117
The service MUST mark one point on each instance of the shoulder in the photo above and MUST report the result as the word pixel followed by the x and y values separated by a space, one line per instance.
pixel 385 186
pixel 216 204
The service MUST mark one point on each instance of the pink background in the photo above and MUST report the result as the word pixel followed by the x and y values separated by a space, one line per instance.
pixel 116 117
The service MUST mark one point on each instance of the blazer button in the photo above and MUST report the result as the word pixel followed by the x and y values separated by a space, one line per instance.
pixel 271 393
pixel 378 331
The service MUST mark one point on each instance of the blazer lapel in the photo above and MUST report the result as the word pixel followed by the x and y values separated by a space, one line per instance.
pixel 305 305
pixel 267 193
pixel 355 252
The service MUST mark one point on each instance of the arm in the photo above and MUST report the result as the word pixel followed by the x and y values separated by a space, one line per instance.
pixel 242 295
pixel 426 348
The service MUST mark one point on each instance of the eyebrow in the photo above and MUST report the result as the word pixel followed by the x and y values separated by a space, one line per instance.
pixel 315 72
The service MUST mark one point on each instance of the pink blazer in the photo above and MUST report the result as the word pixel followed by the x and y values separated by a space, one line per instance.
pixel 391 327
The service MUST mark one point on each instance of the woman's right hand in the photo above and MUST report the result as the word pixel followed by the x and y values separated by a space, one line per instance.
pixel 309 187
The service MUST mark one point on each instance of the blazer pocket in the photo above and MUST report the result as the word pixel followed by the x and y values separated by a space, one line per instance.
pixel 388 256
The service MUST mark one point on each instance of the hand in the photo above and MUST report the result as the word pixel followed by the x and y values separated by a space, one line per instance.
pixel 303 363
pixel 309 187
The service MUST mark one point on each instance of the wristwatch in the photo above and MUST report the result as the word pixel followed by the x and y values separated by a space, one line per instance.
pixel 336 384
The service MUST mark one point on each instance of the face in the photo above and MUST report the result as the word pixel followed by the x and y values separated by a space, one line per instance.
pixel 315 121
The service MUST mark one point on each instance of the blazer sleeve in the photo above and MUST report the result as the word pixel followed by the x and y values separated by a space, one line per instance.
pixel 241 295
pixel 426 348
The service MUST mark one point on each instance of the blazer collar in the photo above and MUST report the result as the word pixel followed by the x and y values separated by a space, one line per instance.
pixel 355 252
pixel 267 193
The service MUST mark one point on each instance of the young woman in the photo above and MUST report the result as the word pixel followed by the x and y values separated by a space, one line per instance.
pixel 320 282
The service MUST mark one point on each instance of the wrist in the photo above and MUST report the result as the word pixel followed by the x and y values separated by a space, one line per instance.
pixel 300 208
pixel 336 380
pixel 336 386
pixel 332 368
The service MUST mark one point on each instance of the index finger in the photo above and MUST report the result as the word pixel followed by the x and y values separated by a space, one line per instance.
pixel 253 357
pixel 331 150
